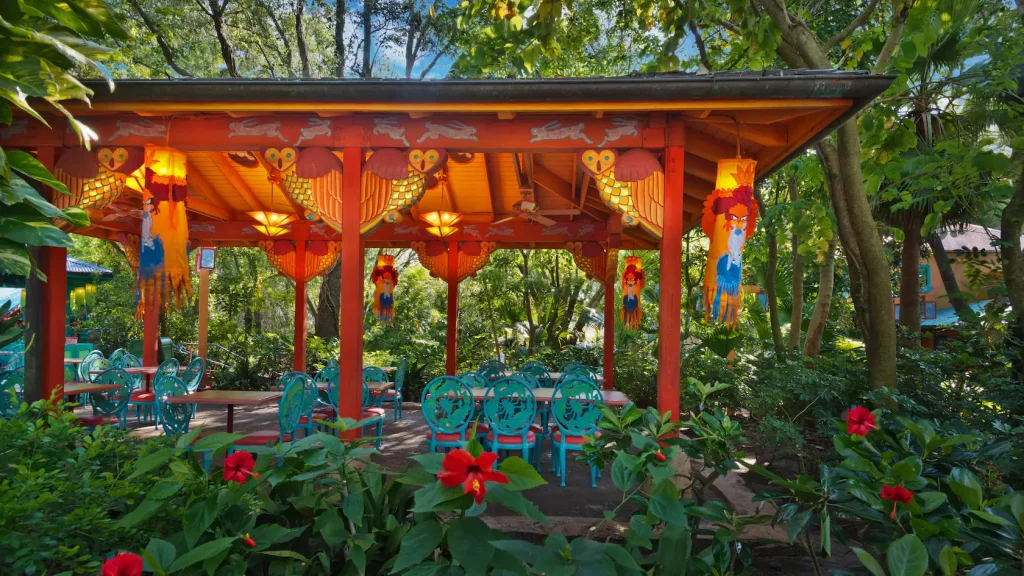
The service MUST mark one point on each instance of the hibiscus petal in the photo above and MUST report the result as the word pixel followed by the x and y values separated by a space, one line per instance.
pixel 492 476
pixel 451 479
pixel 486 460
pixel 457 461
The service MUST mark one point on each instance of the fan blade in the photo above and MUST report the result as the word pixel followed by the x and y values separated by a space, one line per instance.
pixel 558 212
pixel 542 219
pixel 503 220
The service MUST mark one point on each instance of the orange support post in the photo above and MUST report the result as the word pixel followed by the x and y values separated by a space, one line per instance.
pixel 54 302
pixel 609 336
pixel 452 330
pixel 150 334
pixel 350 363
pixel 670 294
pixel 301 230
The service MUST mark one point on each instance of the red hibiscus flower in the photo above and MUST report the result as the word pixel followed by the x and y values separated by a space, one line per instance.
pixel 459 467
pixel 860 421
pixel 124 564
pixel 238 466
pixel 896 494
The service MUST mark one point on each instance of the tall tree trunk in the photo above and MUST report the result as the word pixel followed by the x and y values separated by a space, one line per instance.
pixel 300 37
pixel 1012 258
pixel 956 297
pixel 910 279
pixel 285 51
pixel 328 310
pixel 826 281
pixel 165 48
pixel 227 53
pixel 797 314
pixel 773 298
pixel 340 11
pixel 367 37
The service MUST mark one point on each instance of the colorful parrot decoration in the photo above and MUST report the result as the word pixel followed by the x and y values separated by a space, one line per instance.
pixel 311 177
pixel 632 184
pixel 164 273
pixel 95 178
pixel 393 181
pixel 384 279
pixel 632 286
pixel 729 219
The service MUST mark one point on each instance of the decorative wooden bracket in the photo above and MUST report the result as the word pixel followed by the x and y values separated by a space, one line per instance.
pixel 130 243
pixel 320 256
pixel 595 261
pixel 472 257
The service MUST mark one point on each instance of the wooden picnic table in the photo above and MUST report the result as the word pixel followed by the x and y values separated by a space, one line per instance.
pixel 554 376
pixel 229 398
pixel 611 397
pixel 74 360
pixel 87 388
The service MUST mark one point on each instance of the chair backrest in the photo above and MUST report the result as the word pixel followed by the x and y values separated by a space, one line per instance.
pixel 17 362
pixel 447 405
pixel 12 389
pixel 286 378
pixel 115 357
pixel 403 367
pixel 69 373
pixel 538 372
pixel 175 418
pixel 328 376
pixel 93 364
pixel 533 363
pixel 83 367
pixel 510 407
pixel 492 370
pixel 292 405
pixel 194 374
pixel 582 370
pixel 474 380
pixel 495 364
pixel 575 405
pixel 132 361
pixel 374 374
pixel 112 402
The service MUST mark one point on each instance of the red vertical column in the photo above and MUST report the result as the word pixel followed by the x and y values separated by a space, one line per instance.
pixel 54 300
pixel 150 332
pixel 299 361
pixel 670 294
pixel 452 330
pixel 350 363
pixel 609 335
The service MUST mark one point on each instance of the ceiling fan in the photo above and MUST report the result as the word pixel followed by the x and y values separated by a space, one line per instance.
pixel 528 209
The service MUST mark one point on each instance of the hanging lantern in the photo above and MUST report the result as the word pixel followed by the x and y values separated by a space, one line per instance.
pixel 632 286
pixel 384 279
pixel 730 218
pixel 78 299
pixel 90 294
pixel 272 223
pixel 441 223
pixel 164 273
pixel 24 299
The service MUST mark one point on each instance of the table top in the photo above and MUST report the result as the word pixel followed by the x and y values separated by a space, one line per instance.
pixel 388 369
pixel 555 376
pixel 143 370
pixel 373 386
pixel 74 360
pixel 611 397
pixel 227 397
pixel 87 388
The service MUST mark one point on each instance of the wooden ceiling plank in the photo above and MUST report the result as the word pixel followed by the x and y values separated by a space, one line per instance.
pixel 706 146
pixel 487 184
pixel 694 165
pixel 197 180
pixel 227 168
pixel 553 183
pixel 763 134
pixel 208 209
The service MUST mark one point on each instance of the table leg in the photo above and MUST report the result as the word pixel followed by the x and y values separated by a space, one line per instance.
pixel 231 417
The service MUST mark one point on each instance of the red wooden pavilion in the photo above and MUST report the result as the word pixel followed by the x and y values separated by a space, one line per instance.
pixel 515 153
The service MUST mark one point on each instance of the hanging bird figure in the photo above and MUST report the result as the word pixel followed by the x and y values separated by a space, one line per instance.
pixel 394 181
pixel 384 278
pixel 632 286
pixel 95 178
pixel 311 177
pixel 632 184
pixel 729 220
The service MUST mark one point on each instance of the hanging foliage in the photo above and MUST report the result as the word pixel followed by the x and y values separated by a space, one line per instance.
pixel 632 286
pixel 730 218
pixel 164 273
pixel 384 279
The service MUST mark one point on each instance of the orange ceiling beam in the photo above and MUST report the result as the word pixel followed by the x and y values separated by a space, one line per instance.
pixel 227 167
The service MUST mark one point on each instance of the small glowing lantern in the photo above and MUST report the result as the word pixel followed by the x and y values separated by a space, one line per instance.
pixel 441 223
pixel 78 298
pixel 90 294
pixel 272 223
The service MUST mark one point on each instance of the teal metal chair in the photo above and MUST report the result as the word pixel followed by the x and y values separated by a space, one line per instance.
pixel 193 375
pixel 290 409
pixel 575 408
pixel 447 405
pixel 115 357
pixel 373 374
pixel 510 408
pixel 539 372
pixel 578 368
pixel 12 389
pixel 110 408
pixel 307 421
pixel 285 379
pixel 94 364
pixel 492 370
pixel 323 380
pixel 175 418
pixel 84 366
pixel 372 414
pixel 394 395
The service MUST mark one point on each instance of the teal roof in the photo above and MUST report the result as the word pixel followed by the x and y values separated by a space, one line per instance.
pixel 947 316
pixel 76 266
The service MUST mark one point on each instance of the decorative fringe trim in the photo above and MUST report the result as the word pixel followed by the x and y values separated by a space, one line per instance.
pixel 165 288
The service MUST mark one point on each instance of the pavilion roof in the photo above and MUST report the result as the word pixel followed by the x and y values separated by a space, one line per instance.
pixel 504 150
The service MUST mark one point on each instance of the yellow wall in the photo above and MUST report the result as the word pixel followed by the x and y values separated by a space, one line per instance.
pixel 938 292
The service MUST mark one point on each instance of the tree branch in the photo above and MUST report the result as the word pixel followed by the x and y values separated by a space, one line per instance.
pixel 164 47
pixel 857 23
pixel 900 12
pixel 701 49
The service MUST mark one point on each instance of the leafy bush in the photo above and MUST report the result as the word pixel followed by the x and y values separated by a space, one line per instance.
pixel 63 489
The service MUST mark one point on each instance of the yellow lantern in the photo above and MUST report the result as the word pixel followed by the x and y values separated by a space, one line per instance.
pixel 90 294
pixel 272 223
pixel 163 275
pixel 79 297
pixel 441 223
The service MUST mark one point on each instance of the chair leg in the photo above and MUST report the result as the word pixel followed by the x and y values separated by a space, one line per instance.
pixel 593 476
pixel 554 462
pixel 561 461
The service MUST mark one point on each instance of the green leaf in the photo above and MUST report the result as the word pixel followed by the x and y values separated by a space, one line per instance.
pixel 419 542
pixel 28 166
pixel 826 532
pixel 430 462
pixel 930 501
pixel 151 462
pixel 216 442
pixel 947 561
pixel 674 549
pixel 198 517
pixel 622 476
pixel 521 475
pixel 188 438
pixel 436 497
pixel 14 258
pixel 76 216
pixel 798 524
pixel 266 535
pixel 162 552
pixel 468 541
pixel 34 233
pixel 515 501
pixel 868 561
pixel 352 508
pixel 965 484
pixel 202 552
pixel 907 469
pixel 907 557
